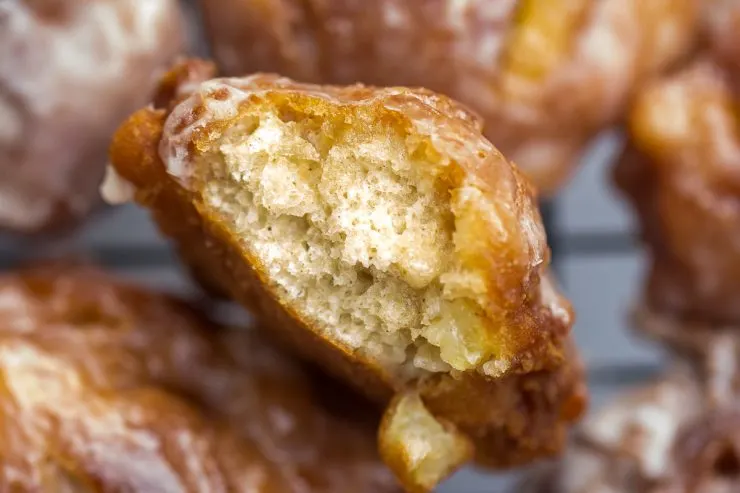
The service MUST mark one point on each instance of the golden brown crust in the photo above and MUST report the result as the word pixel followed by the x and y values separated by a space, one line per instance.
pixel 493 412
pixel 681 173
pixel 70 72
pixel 109 388
pixel 517 419
pixel 541 101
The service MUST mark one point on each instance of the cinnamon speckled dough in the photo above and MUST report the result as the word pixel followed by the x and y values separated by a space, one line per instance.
pixel 659 438
pixel 681 172
pixel 378 232
pixel 109 388
pixel 545 75
pixel 70 72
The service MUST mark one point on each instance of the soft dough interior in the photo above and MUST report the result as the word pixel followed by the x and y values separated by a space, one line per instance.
pixel 351 219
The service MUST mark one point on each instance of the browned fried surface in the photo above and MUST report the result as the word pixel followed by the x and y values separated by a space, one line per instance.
pixel 545 75
pixel 659 438
pixel 711 352
pixel 70 72
pixel 517 419
pixel 682 174
pixel 513 419
pixel 105 387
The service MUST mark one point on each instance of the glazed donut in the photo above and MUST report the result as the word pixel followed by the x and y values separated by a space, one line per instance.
pixel 108 387
pixel 660 438
pixel 681 173
pixel 70 72
pixel 546 76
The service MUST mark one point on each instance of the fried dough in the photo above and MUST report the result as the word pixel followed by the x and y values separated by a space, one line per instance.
pixel 662 437
pixel 107 388
pixel 681 173
pixel 70 72
pixel 378 233
pixel 546 76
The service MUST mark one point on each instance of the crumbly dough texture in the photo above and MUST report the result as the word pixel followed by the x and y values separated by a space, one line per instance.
pixel 70 72
pixel 545 75
pixel 109 388
pixel 378 232
pixel 681 174
pixel 660 438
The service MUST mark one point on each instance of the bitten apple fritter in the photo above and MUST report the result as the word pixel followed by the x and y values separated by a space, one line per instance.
pixel 70 72
pixel 381 235
pixel 546 75
pixel 109 388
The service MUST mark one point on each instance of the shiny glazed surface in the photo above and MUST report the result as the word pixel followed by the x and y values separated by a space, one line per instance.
pixel 544 75
pixel 109 388
pixel 681 172
pixel 70 72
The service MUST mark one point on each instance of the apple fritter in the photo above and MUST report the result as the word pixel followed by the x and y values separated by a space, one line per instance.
pixel 106 387
pixel 381 235
pixel 681 173
pixel 546 75
pixel 70 72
